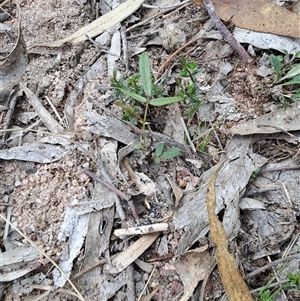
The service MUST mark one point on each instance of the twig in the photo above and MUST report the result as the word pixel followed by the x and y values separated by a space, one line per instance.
pixel 118 192
pixel 176 10
pixel 260 125
pixel 118 203
pixel 54 109
pixel 270 286
pixel 79 296
pixel 131 174
pixel 279 168
pixel 89 268
pixel 168 6
pixel 173 55
pixel 142 229
pixel 141 294
pixel 271 264
pixel 188 136
pixel 125 47
pixel 227 35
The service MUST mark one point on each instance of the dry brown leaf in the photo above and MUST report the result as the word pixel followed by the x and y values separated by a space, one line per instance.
pixel 177 191
pixel 275 122
pixel 234 284
pixel 192 269
pixel 258 15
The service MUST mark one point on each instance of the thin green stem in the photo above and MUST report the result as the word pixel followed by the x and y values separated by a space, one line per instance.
pixel 144 124
pixel 190 74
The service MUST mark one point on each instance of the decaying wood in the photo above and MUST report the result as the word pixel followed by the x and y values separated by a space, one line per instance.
pixel 142 229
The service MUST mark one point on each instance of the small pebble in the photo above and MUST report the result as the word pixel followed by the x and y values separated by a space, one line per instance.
pixel 18 183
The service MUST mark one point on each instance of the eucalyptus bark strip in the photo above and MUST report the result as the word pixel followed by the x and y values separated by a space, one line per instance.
pixel 234 284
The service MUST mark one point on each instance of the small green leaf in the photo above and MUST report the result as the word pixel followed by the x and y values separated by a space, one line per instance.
pixel 294 71
pixel 284 102
pixel 276 65
pixel 163 101
pixel 192 65
pixel 159 149
pixel 145 71
pixel 170 153
pixel 266 296
pixel 133 95
pixel 295 80
pixel 297 55
pixel 138 145
pixel 292 97
pixel 183 73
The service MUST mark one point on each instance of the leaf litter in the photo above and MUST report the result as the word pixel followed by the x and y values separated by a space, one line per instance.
pixel 73 218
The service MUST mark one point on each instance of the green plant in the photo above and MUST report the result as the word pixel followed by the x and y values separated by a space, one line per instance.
pixel 141 89
pixel 293 283
pixel 287 72
pixel 161 155
pixel 188 90
pixel 294 280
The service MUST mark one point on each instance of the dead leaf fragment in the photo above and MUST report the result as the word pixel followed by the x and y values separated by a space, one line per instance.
pixel 12 65
pixel 274 122
pixel 99 25
pixel 46 117
pixel 234 284
pixel 192 269
pixel 258 15
pixel 125 258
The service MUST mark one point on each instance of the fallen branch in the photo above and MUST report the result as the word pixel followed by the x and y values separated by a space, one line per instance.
pixel 118 192
pixel 227 35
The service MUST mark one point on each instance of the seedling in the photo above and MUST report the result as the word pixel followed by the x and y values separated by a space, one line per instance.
pixel 189 90
pixel 161 155
pixel 287 71
pixel 140 88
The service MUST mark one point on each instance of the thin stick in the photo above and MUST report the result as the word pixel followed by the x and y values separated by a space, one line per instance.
pixel 141 294
pixel 142 229
pixel 280 168
pixel 271 264
pixel 168 6
pixel 188 136
pixel 45 255
pixel 89 268
pixel 270 286
pixel 227 35
pixel 125 47
pixel 117 191
pixel 54 109
pixel 173 55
